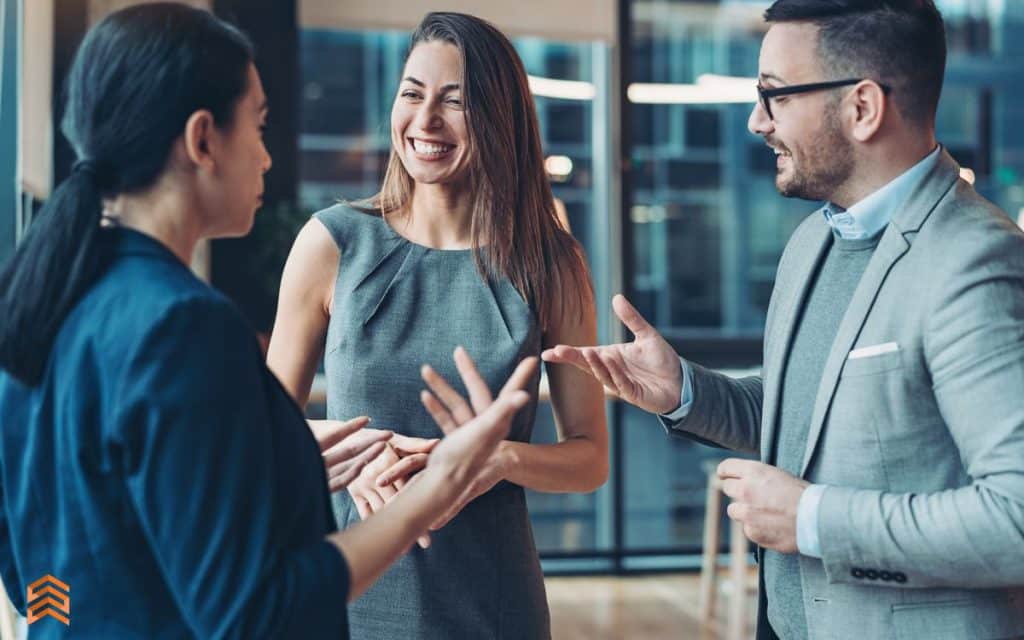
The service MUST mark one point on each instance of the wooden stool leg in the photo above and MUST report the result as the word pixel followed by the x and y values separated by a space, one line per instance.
pixel 738 571
pixel 709 563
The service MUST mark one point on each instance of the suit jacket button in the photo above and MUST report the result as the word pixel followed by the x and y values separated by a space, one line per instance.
pixel 857 573
pixel 871 574
pixel 886 576
pixel 899 577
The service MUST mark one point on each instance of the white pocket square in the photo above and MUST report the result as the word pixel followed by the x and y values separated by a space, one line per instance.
pixel 873 350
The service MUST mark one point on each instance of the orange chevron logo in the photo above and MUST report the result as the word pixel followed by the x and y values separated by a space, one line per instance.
pixel 48 596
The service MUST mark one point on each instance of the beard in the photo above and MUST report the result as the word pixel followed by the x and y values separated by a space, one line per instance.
pixel 825 164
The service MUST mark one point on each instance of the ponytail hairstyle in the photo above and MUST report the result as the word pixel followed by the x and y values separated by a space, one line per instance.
pixel 135 81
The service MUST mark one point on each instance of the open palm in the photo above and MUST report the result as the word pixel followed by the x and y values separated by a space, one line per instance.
pixel 645 372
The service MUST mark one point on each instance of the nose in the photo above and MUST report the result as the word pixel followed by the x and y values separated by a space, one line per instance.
pixel 759 123
pixel 427 116
pixel 267 160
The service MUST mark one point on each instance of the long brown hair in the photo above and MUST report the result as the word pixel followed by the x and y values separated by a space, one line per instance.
pixel 514 211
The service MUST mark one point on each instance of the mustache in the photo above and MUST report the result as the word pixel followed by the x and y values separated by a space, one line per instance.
pixel 772 142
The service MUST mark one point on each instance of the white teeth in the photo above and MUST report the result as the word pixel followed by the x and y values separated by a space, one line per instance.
pixel 430 147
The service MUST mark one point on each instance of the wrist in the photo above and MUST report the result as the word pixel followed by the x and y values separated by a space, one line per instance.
pixel 507 458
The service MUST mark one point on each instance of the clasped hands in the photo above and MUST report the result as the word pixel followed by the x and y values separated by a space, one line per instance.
pixel 376 465
pixel 646 373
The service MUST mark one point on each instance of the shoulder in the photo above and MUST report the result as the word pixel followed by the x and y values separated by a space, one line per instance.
pixel 346 224
pixel 966 231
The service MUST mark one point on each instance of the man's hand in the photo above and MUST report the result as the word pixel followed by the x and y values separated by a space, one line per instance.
pixel 645 372
pixel 765 501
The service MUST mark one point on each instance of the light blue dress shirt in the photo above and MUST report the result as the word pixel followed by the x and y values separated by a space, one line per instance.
pixel 863 220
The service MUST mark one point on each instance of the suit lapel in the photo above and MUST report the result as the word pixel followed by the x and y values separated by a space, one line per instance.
pixel 792 296
pixel 906 221
pixel 890 248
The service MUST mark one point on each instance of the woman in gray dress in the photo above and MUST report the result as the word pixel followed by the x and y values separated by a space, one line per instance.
pixel 461 247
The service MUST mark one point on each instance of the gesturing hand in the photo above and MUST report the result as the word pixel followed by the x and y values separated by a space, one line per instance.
pixel 645 372
pixel 346 447
pixel 451 411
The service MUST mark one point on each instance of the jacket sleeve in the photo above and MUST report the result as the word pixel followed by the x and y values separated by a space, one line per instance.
pixel 971 536
pixel 195 428
pixel 726 412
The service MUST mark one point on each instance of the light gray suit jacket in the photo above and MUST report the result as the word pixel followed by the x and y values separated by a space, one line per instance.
pixel 922 448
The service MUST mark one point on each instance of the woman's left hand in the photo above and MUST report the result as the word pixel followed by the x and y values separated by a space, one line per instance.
pixel 450 411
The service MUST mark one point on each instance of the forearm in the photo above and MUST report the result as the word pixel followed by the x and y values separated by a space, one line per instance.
pixel 966 537
pixel 725 411
pixel 575 465
pixel 371 546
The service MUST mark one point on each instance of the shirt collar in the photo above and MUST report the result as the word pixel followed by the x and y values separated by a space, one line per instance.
pixel 869 216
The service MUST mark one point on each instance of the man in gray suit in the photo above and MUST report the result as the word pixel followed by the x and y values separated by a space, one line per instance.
pixel 889 499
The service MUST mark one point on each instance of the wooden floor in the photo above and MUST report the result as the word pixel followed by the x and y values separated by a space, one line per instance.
pixel 646 608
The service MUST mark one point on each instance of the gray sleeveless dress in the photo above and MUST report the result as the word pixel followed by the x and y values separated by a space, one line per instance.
pixel 398 305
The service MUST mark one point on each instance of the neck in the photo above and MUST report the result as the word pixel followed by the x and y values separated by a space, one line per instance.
pixel 882 164
pixel 438 216
pixel 161 213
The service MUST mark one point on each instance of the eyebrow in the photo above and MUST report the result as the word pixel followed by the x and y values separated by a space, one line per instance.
pixel 419 83
pixel 772 76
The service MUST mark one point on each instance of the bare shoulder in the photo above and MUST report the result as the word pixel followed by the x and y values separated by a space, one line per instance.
pixel 312 266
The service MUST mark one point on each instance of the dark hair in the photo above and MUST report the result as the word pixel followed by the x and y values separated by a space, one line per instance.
pixel 514 209
pixel 901 43
pixel 135 81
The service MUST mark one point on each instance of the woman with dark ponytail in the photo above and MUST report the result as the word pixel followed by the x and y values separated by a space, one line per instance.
pixel 148 458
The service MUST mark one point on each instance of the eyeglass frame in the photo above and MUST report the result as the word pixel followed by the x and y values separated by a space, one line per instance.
pixel 765 95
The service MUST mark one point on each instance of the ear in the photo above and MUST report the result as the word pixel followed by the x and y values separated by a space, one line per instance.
pixel 200 139
pixel 869 108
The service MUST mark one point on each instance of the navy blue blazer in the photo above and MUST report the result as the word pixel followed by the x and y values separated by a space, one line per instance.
pixel 163 473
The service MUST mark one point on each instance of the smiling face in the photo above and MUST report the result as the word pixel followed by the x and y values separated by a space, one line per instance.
pixel 428 120
pixel 814 156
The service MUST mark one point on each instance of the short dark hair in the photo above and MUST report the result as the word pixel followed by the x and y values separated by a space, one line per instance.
pixel 901 43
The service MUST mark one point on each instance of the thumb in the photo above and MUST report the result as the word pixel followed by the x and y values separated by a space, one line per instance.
pixel 632 318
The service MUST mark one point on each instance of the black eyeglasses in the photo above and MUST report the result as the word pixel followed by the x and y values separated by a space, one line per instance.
pixel 766 95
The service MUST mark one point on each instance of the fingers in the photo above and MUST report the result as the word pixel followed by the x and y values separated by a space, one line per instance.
pixel 451 399
pixel 495 421
pixel 521 376
pixel 406 445
pixel 438 412
pixel 737 468
pixel 479 395
pixel 341 475
pixel 331 432
pixel 632 318
pixel 375 501
pixel 598 368
pixel 402 469
pixel 424 541
pixel 618 374
pixel 565 354
pixel 362 507
pixel 354 445
pixel 734 488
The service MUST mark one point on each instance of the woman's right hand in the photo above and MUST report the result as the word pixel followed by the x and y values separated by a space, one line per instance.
pixel 366 494
pixel 347 447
